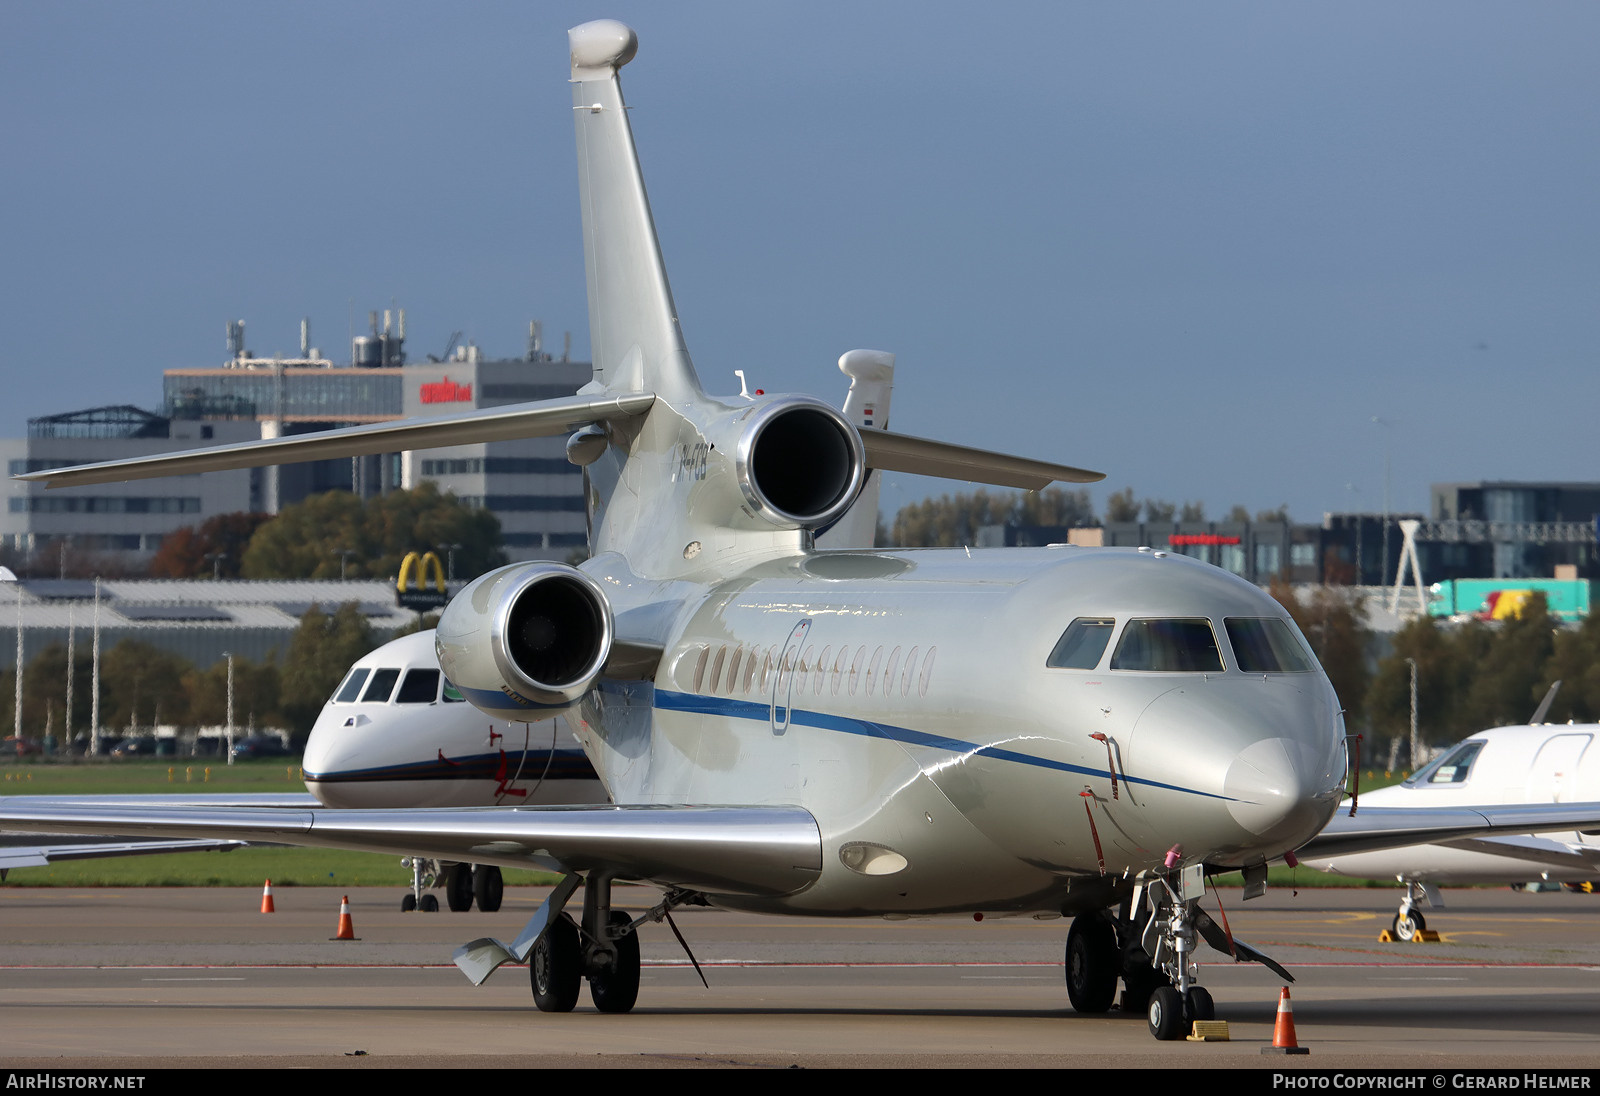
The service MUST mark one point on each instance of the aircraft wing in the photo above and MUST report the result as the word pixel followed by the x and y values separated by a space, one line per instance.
pixel 925 457
pixel 1539 850
pixel 1376 828
pixel 544 418
pixel 17 853
pixel 721 850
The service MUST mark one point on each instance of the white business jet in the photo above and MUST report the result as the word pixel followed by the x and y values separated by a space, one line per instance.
pixel 1551 763
pixel 1048 732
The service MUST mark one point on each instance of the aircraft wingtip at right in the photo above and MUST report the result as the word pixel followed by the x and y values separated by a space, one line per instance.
pixel 601 46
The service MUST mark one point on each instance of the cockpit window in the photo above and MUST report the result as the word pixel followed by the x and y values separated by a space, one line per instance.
pixel 419 687
pixel 380 688
pixel 1266 645
pixel 1180 645
pixel 1452 768
pixel 1082 644
pixel 452 695
pixel 352 686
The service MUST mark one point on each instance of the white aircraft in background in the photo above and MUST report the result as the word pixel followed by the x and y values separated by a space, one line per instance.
pixel 1044 732
pixel 1536 763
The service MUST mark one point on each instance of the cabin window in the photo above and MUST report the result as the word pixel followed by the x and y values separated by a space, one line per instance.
pixel 716 669
pixel 700 667
pixel 380 687
pixel 452 695
pixel 910 672
pixel 1168 646
pixel 855 669
pixel 1266 645
pixel 838 669
pixel 927 671
pixel 750 670
pixel 419 687
pixel 872 670
pixel 822 671
pixel 733 670
pixel 351 689
pixel 888 671
pixel 1453 768
pixel 1082 644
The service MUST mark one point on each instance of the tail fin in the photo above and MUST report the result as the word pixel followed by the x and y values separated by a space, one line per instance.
pixel 634 336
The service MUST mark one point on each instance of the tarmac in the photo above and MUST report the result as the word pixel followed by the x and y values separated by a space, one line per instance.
pixel 158 978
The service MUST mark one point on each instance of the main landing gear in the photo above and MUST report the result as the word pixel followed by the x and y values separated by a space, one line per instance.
pixel 463 884
pixel 605 950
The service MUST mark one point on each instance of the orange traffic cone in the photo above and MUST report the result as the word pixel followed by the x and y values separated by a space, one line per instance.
pixel 1283 1041
pixel 347 928
pixel 266 899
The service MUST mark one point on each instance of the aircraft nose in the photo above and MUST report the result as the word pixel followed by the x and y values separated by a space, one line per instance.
pixel 1275 791
pixel 1265 753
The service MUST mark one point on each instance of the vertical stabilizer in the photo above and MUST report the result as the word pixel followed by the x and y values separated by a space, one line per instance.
pixel 635 340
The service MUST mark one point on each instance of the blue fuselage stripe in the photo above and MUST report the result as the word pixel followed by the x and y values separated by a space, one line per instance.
pixel 728 707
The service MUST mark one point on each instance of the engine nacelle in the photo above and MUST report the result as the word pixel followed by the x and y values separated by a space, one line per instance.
pixel 799 463
pixel 525 642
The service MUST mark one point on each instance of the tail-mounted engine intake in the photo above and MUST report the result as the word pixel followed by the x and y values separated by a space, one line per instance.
pixel 526 641
pixel 799 463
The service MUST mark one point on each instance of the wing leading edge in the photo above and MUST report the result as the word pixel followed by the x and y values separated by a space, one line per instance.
pixel 1375 828
pixel 761 851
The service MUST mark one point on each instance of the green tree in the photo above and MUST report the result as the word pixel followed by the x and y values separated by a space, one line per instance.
pixel 215 547
pixel 1334 624
pixel 1121 506
pixel 255 693
pixel 1575 662
pixel 954 520
pixel 1192 511
pixel 311 539
pixel 1508 681
pixel 1158 511
pixel 319 654
pixel 141 685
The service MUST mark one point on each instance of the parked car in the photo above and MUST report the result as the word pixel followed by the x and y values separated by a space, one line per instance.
pixel 259 745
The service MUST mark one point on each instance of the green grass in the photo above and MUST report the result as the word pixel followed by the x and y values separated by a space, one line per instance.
pixel 103 776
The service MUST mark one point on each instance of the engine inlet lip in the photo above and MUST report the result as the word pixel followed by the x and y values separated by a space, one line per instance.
pixel 744 458
pixel 541 693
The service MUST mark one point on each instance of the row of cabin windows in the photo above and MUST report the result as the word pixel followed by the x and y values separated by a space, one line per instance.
pixel 419 687
pixel 1261 645
pixel 744 671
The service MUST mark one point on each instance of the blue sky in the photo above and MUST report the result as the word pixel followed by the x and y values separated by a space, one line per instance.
pixel 1198 246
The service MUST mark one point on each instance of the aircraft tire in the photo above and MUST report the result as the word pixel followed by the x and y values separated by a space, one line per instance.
pixel 1406 928
pixel 617 989
pixel 408 904
pixel 1139 979
pixel 1197 1004
pixel 488 887
pixel 1165 1014
pixel 1092 960
pixel 555 969
pixel 458 887
pixel 428 903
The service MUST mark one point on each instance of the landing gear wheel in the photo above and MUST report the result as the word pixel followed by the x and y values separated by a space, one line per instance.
pixel 428 903
pixel 1092 961
pixel 458 887
pixel 1406 927
pixel 1165 1014
pixel 1139 980
pixel 616 989
pixel 408 903
pixel 556 967
pixel 1197 1005
pixel 487 887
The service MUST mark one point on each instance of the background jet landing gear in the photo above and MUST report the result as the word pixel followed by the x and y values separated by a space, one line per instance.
pixel 605 950
pixel 463 884
pixel 1408 923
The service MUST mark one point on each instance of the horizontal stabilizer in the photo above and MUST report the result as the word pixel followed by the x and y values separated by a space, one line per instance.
pixel 920 456
pixel 721 850
pixel 545 418
pixel 1376 828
